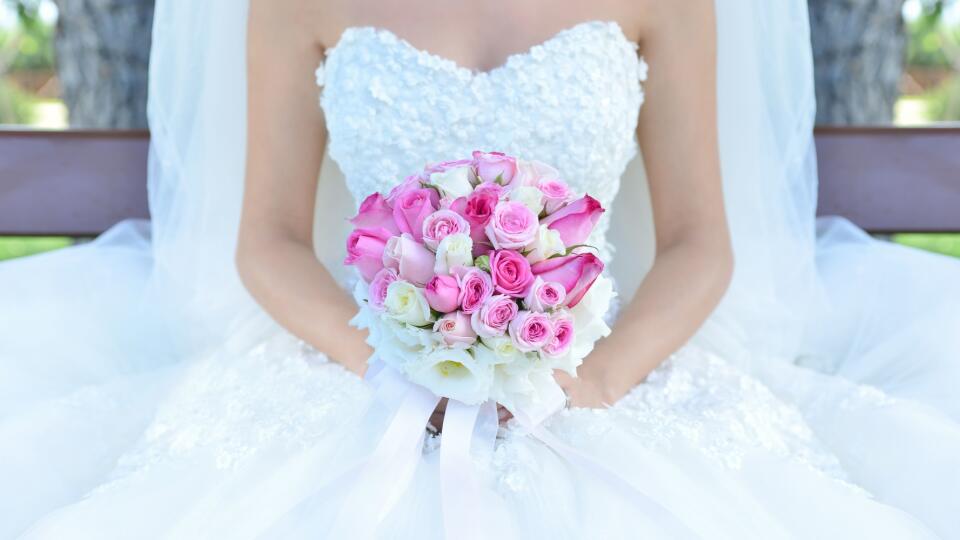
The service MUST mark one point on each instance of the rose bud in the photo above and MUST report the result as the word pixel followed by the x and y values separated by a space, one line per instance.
pixel 443 293
pixel 575 221
pixel 365 248
pixel 575 273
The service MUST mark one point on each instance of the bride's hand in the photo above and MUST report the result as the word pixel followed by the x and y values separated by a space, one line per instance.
pixel 593 387
pixel 436 419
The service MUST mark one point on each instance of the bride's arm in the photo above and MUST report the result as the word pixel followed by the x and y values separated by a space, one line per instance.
pixel 694 260
pixel 285 145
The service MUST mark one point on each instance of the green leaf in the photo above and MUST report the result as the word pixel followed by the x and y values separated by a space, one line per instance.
pixel 482 262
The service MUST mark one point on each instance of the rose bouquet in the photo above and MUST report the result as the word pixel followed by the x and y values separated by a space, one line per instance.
pixel 476 280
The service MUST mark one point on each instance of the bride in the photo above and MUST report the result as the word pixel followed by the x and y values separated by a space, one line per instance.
pixel 770 377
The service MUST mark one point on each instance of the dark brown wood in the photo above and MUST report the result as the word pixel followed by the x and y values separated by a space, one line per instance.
pixel 79 183
pixel 888 179
pixel 71 183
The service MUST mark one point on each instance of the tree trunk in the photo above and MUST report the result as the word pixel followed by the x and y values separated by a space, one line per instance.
pixel 103 54
pixel 859 52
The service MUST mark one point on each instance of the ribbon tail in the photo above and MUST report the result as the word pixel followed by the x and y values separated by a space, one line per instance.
pixel 658 513
pixel 372 496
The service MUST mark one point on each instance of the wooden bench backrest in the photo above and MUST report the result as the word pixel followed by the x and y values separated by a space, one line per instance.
pixel 79 183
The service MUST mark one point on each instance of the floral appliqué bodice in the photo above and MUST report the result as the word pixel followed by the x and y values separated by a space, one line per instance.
pixel 571 101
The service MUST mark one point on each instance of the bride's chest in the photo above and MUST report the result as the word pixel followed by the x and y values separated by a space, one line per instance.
pixel 571 101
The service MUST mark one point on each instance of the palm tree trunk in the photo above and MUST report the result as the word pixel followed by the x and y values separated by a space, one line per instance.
pixel 859 50
pixel 103 52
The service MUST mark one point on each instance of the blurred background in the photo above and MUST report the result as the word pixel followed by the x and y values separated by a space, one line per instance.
pixel 83 64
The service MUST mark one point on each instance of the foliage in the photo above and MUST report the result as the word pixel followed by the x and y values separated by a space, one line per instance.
pixel 16 107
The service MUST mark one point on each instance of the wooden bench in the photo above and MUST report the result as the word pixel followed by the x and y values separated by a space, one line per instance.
pixel 79 183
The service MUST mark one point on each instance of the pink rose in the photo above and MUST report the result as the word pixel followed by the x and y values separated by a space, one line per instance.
pixel 441 224
pixel 413 260
pixel 575 273
pixel 556 193
pixel 575 221
pixel 410 183
pixel 489 188
pixel 365 249
pixel 562 336
pixel 512 226
pixel 493 318
pixel 455 330
pixel 544 295
pixel 377 291
pixel 530 173
pixel 495 165
pixel 510 273
pixel 475 287
pixel 375 213
pixel 412 208
pixel 531 331
pixel 443 293
pixel 445 166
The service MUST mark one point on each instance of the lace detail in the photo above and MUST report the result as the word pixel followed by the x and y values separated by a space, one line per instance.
pixel 572 101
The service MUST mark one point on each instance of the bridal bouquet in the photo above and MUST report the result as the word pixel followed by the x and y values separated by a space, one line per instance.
pixel 477 282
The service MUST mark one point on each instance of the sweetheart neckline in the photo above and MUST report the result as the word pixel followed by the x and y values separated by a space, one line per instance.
pixel 476 73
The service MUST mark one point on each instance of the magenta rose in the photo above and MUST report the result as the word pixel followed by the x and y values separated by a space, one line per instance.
pixel 412 208
pixel 442 224
pixel 562 336
pixel 575 273
pixel 512 226
pixel 410 183
pixel 575 221
pixel 375 213
pixel 455 330
pixel 544 295
pixel 377 291
pixel 510 273
pixel 477 209
pixel 475 287
pixel 365 249
pixel 493 318
pixel 492 166
pixel 556 193
pixel 443 293
pixel 531 331
pixel 413 261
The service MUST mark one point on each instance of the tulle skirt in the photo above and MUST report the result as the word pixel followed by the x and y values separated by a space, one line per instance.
pixel 108 431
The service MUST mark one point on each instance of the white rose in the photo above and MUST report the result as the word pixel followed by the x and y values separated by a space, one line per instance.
pixel 454 250
pixel 530 196
pixel 497 350
pixel 407 303
pixel 546 244
pixel 454 182
pixel 453 373
pixel 531 393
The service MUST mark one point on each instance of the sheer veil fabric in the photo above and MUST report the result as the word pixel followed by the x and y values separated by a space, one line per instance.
pixel 815 310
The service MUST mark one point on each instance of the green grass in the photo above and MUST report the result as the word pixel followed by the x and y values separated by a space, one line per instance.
pixel 12 247
pixel 946 244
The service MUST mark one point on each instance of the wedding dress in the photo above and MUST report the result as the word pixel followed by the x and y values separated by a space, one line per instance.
pixel 256 435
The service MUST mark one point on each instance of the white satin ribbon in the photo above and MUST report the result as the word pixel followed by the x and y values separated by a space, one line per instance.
pixel 470 510
pixel 385 476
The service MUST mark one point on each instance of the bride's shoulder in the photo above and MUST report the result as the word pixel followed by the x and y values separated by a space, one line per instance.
pixel 647 18
pixel 316 20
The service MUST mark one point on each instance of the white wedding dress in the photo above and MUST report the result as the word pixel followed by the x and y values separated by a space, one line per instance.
pixel 255 436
